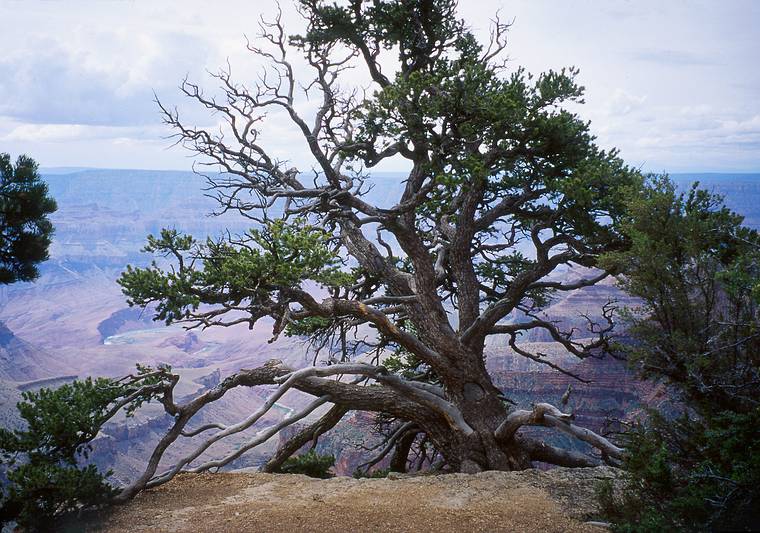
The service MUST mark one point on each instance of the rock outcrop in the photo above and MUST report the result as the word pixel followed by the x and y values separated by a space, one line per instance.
pixel 557 500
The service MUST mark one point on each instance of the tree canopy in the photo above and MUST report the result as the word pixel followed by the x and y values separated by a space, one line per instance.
pixel 25 230
pixel 506 190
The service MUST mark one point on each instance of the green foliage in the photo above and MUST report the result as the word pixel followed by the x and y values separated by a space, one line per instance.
pixel 44 462
pixel 383 23
pixel 25 230
pixel 380 473
pixel 279 256
pixel 307 326
pixel 60 422
pixel 696 269
pixel 310 464
pixel 46 480
pixel 499 140
pixel 501 270
pixel 42 492
pixel 506 135
pixel 690 475
pixel 534 142
pixel 403 362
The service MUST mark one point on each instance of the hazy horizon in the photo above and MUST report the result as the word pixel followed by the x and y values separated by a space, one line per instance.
pixel 72 169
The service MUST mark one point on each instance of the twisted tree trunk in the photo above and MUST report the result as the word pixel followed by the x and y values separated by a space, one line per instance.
pixel 505 189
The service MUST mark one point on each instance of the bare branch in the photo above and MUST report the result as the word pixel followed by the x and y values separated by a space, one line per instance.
pixel 544 414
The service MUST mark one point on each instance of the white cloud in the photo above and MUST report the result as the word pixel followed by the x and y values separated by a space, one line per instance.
pixel 56 133
pixel 77 77
pixel 750 125
pixel 105 78
pixel 623 103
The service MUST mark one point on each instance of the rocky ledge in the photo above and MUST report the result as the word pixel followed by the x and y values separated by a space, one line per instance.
pixel 555 500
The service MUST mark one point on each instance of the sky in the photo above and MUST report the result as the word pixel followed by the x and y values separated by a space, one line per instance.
pixel 674 85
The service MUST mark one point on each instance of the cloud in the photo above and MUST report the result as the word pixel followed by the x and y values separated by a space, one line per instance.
pixel 686 140
pixel 678 132
pixel 670 83
pixel 750 126
pixel 53 132
pixel 623 103
pixel 670 57
pixel 110 84
pixel 57 133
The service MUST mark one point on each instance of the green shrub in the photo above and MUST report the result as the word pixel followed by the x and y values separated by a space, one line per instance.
pixel 374 474
pixel 310 464
pixel 690 475
pixel 39 493
pixel 45 463
pixel 42 463
pixel 696 271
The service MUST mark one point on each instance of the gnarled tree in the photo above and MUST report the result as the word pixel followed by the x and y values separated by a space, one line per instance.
pixel 506 188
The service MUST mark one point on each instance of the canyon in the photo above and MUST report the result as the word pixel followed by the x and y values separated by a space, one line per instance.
pixel 74 322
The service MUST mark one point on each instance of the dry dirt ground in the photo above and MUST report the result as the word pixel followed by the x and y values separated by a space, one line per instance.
pixel 558 500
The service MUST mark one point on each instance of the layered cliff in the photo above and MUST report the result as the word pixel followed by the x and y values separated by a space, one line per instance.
pixel 74 320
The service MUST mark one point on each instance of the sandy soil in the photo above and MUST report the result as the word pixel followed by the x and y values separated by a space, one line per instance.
pixel 492 501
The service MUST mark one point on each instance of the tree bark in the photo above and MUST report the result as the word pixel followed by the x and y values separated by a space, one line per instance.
pixel 401 453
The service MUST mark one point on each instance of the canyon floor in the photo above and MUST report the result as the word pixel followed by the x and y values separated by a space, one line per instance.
pixel 546 501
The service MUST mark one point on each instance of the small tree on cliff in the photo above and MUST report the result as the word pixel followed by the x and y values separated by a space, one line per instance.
pixel 506 188
pixel 25 230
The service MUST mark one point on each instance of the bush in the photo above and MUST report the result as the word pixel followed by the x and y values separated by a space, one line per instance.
pixel 310 464
pixel 690 475
pixel 696 270
pixel 40 493
pixel 45 463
